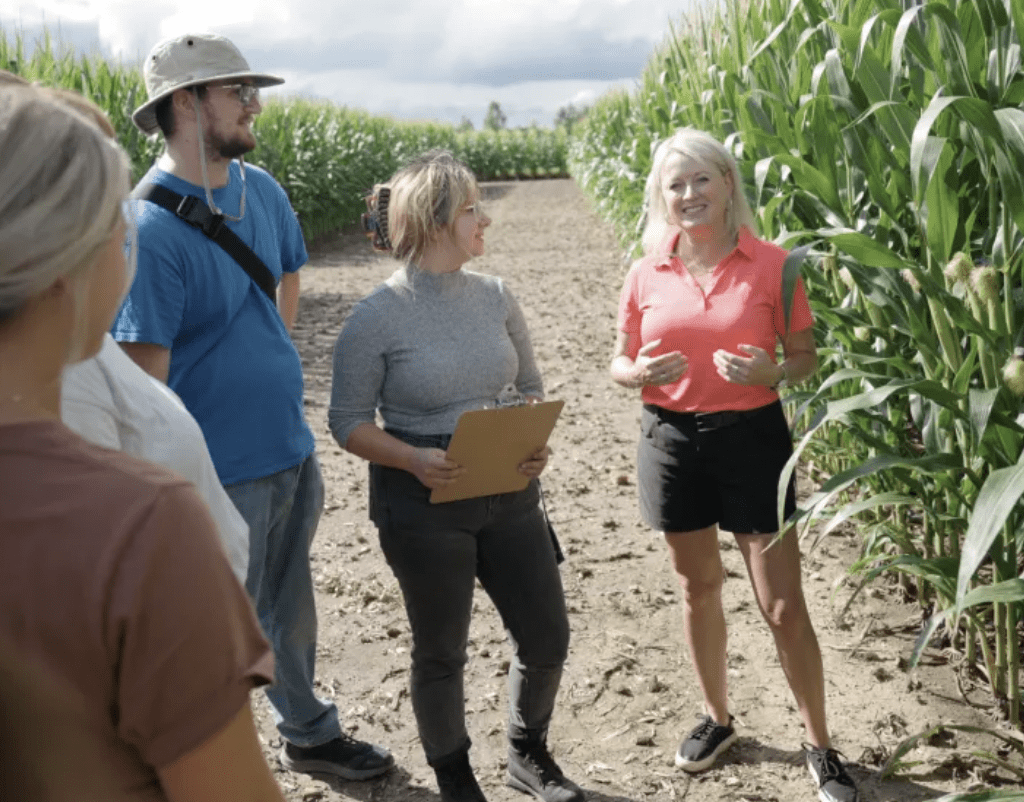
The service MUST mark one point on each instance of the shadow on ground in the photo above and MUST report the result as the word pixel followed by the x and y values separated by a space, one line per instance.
pixel 398 785
pixel 872 787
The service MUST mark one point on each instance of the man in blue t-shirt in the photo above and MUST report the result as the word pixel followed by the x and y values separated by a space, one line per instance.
pixel 197 321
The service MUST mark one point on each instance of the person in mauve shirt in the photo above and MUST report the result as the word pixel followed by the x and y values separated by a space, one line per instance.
pixel 115 594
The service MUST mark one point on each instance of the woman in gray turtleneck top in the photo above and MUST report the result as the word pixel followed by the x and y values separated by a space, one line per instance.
pixel 430 343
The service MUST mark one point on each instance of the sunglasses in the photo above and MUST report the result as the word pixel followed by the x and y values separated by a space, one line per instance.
pixel 246 93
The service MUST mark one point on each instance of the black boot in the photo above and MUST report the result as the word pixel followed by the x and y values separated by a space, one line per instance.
pixel 455 778
pixel 531 769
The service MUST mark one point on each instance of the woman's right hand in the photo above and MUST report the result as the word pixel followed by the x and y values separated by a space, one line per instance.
pixel 662 369
pixel 434 469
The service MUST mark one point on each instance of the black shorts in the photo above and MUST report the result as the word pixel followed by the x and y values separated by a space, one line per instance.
pixel 722 468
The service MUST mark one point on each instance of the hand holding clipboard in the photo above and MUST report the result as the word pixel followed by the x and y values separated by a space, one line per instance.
pixel 491 444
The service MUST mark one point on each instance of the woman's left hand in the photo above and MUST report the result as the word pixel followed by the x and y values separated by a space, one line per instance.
pixel 758 368
pixel 535 463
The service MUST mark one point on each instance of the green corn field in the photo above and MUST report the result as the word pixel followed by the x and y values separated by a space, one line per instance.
pixel 325 156
pixel 116 90
pixel 884 142
pixel 328 157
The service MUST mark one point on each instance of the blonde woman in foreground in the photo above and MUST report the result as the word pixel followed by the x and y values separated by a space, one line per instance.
pixel 112 402
pixel 113 584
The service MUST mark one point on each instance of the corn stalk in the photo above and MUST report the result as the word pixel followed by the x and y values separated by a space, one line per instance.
pixel 887 137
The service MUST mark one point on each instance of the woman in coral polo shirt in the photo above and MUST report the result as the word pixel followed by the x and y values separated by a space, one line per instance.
pixel 700 317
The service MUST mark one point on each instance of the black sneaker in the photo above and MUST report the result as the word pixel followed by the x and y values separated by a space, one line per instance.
pixel 343 757
pixel 834 784
pixel 532 770
pixel 704 744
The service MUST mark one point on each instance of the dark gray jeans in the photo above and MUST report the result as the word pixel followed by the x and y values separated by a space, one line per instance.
pixel 437 551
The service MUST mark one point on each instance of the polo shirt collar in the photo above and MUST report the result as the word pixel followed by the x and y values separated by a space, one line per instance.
pixel 746 244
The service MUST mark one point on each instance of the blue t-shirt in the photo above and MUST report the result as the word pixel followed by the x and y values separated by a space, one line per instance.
pixel 232 360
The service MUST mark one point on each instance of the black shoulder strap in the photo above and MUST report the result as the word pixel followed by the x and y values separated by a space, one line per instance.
pixel 198 215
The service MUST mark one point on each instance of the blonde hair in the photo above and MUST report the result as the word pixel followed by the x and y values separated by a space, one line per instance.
pixel 62 185
pixel 84 106
pixel 10 79
pixel 702 147
pixel 426 196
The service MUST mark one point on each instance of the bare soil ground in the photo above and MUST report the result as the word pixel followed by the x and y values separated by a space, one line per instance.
pixel 628 692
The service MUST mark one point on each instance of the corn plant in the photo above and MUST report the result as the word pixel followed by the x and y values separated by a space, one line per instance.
pixel 116 90
pixel 325 156
pixel 886 138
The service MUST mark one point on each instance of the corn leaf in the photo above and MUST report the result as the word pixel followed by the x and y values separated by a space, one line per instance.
pixel 998 498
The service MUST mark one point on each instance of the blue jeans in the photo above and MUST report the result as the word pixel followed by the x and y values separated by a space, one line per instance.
pixel 437 552
pixel 282 511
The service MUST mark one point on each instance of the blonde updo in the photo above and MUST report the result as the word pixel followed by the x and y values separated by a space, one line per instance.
pixel 62 185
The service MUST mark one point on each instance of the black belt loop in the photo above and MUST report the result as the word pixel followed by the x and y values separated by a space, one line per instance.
pixel 710 421
pixel 703 422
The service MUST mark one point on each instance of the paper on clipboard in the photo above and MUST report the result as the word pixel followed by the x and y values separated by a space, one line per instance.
pixel 492 443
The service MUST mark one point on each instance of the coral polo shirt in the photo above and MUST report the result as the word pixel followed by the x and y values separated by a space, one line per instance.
pixel 741 305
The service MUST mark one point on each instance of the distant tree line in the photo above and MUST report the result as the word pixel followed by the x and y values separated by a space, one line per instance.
pixel 496 120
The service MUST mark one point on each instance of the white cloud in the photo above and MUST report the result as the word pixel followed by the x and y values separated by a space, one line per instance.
pixel 201 16
pixel 81 11
pixel 522 103
pixel 585 97
pixel 409 58
pixel 126 27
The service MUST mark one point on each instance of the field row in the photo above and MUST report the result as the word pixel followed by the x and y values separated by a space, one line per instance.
pixel 326 157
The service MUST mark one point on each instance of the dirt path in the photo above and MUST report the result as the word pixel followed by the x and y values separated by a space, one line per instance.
pixel 628 692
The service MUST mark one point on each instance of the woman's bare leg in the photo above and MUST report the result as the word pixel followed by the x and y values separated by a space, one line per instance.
pixel 698 566
pixel 774 571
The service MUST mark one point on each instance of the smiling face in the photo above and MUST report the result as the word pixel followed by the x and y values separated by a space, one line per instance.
pixel 467 230
pixel 228 121
pixel 696 193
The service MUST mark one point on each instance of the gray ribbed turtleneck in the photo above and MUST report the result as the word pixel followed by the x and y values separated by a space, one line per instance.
pixel 423 348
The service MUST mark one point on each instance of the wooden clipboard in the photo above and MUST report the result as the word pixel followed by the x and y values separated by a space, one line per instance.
pixel 492 443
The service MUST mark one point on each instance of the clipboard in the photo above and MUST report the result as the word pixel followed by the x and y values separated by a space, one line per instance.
pixel 491 444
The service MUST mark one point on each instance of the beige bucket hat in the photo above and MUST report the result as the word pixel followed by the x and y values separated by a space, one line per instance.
pixel 189 60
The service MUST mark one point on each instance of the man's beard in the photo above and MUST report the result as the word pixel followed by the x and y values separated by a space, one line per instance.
pixel 232 150
pixel 227 148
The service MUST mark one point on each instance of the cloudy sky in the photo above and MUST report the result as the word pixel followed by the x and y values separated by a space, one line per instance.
pixel 411 59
